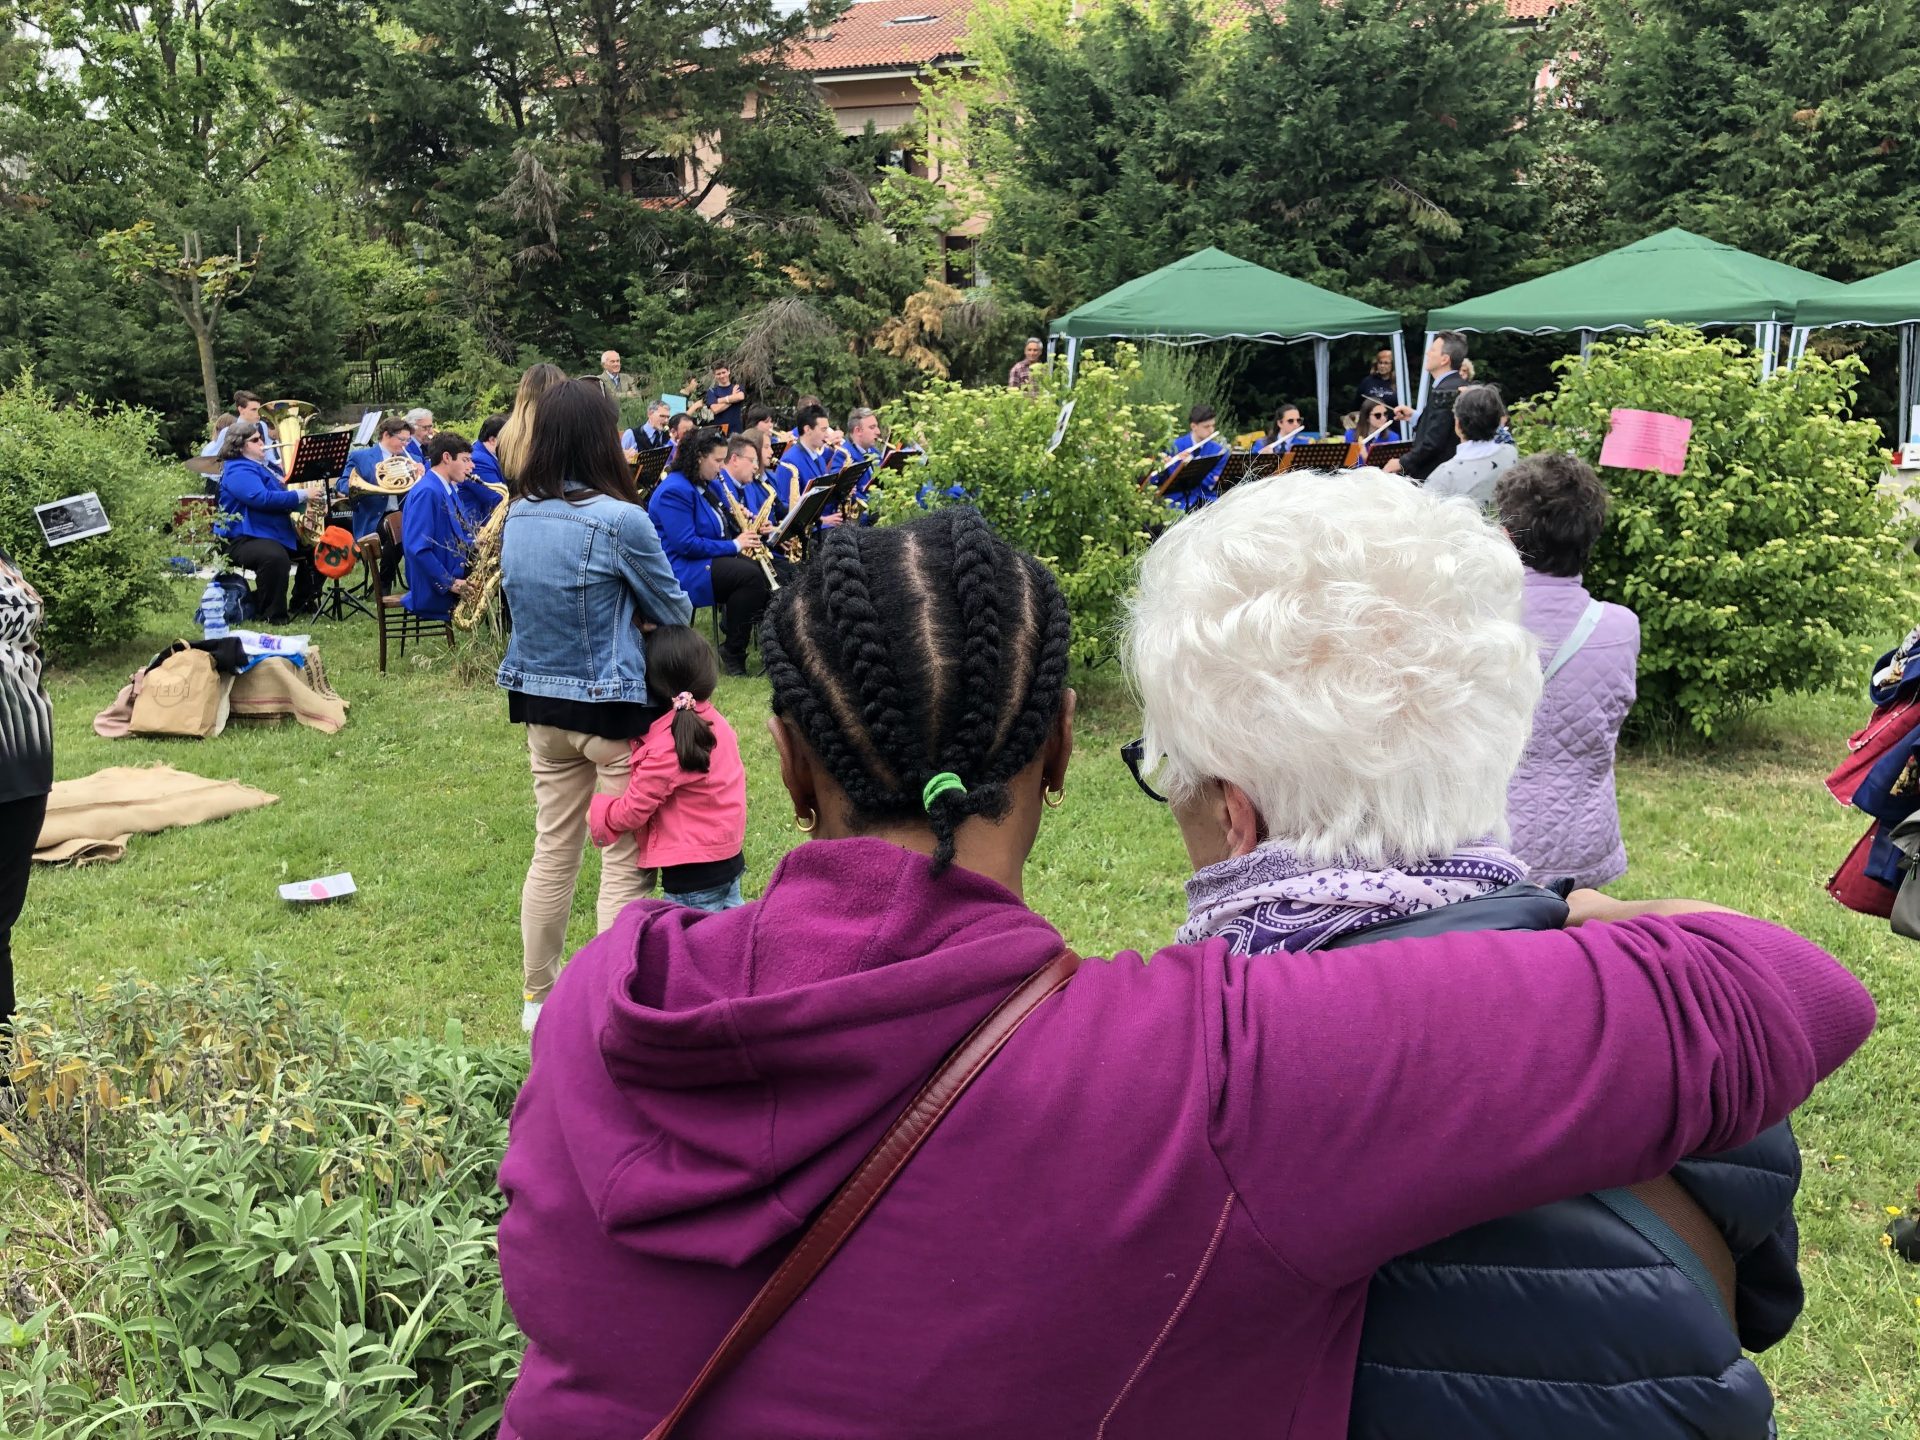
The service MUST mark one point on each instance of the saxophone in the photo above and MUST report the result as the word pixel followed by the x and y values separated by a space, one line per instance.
pixel 750 525
pixel 483 571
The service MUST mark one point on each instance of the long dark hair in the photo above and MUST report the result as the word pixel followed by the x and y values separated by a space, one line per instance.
pixel 905 651
pixel 694 449
pixel 576 444
pixel 679 659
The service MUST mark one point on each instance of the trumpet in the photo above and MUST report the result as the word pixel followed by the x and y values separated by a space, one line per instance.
pixel 750 525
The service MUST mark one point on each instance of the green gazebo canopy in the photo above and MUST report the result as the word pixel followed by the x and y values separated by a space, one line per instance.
pixel 1889 298
pixel 1675 275
pixel 1216 296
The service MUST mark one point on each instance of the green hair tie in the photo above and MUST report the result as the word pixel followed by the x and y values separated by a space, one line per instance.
pixel 939 785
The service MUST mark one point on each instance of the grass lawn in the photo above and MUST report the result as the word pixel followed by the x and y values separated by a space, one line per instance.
pixel 425 798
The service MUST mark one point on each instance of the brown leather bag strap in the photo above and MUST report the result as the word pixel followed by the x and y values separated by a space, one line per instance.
pixel 869 1182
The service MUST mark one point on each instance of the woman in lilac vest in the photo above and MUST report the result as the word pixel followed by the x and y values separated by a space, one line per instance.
pixel 1561 806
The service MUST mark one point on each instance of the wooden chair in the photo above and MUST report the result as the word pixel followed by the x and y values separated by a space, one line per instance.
pixel 395 621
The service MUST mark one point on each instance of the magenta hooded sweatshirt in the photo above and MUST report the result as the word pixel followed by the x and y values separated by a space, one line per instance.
pixel 1156 1211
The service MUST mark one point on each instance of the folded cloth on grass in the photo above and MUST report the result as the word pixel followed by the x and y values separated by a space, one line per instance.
pixel 90 820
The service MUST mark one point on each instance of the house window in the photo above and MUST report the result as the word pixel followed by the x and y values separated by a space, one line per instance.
pixel 962 267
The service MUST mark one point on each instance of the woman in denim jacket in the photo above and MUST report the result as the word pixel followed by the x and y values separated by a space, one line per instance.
pixel 583 570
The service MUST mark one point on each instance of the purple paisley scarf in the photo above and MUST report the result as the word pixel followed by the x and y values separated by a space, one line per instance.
pixel 1271 899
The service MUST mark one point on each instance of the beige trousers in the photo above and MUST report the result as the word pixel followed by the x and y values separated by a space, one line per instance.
pixel 567 768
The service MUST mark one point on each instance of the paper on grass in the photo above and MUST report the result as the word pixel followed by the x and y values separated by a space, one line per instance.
pixel 327 887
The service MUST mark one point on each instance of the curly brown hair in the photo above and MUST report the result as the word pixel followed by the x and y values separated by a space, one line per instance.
pixel 1553 507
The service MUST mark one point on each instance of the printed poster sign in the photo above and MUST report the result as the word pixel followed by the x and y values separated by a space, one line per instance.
pixel 1647 440
pixel 1060 427
pixel 74 518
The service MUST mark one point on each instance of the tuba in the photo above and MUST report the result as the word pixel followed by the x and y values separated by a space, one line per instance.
pixel 289 421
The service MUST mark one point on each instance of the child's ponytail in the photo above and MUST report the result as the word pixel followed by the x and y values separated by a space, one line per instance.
pixel 681 670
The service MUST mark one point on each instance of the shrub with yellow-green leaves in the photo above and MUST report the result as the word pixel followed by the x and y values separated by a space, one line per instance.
pixel 1755 570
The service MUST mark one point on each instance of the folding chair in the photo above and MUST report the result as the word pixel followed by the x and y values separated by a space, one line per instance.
pixel 396 622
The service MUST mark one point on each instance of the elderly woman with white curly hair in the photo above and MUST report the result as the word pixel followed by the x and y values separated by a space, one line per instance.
pixel 1337 688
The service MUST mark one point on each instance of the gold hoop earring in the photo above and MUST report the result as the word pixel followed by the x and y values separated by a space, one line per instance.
pixel 1054 799
pixel 806 825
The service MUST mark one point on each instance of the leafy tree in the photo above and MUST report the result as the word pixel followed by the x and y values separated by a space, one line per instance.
pixel 197 284
pixel 1787 129
pixel 1368 145
pixel 1757 568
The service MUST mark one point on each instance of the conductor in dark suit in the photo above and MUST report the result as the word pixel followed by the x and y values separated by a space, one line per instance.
pixel 1434 440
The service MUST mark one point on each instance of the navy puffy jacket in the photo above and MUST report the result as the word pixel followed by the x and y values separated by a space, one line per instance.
pixel 1564 1322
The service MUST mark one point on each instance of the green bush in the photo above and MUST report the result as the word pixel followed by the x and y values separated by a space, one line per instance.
pixel 250 1224
pixel 1752 570
pixel 1080 509
pixel 96 590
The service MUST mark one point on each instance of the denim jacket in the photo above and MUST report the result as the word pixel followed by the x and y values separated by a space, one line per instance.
pixel 579 575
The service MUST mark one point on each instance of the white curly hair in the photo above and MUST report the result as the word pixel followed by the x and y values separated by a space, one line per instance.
pixel 1348 651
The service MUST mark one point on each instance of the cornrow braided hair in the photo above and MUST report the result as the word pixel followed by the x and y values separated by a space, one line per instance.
pixel 905 651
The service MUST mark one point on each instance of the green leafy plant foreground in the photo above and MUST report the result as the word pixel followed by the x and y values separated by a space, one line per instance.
pixel 255 1225
pixel 1080 507
pixel 96 590
pixel 1753 570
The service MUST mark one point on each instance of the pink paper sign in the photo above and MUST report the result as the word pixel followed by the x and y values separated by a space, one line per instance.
pixel 1647 440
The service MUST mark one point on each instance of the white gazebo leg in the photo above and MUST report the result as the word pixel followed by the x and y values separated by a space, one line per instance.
pixel 1322 378
pixel 1401 393
pixel 1426 380
pixel 1909 382
pixel 1073 357
pixel 1586 345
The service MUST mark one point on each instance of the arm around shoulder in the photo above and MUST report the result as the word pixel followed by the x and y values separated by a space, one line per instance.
pixel 1371 1101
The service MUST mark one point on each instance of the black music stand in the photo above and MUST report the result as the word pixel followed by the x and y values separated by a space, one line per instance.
pixel 648 467
pixel 1247 465
pixel 850 478
pixel 897 459
pixel 318 460
pixel 336 600
pixel 1186 476
pixel 1381 453
pixel 813 503
pixel 1315 455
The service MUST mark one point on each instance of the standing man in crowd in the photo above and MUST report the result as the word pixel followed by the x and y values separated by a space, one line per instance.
pixel 1379 383
pixel 1020 377
pixel 442 513
pixel 726 400
pixel 1434 440
pixel 611 380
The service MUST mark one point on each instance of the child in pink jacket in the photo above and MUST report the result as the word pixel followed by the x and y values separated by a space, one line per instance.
pixel 686 796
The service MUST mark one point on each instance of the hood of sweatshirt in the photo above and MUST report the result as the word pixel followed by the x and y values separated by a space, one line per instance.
pixel 711 1079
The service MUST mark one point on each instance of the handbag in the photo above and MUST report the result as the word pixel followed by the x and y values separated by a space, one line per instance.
pixel 863 1189
pixel 183 695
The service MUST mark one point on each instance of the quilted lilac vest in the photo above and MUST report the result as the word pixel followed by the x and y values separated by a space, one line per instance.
pixel 1561 806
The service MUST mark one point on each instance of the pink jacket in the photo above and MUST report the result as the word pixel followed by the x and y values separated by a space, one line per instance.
pixel 680 817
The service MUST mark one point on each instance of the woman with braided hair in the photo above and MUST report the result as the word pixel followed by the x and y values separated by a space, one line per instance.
pixel 1155 1209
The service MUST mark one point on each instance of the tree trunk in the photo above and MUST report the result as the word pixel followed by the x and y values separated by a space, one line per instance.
pixel 203 342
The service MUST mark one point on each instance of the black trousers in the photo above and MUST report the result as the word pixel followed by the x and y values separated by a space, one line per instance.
pixel 741 591
pixel 271 563
pixel 19 833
